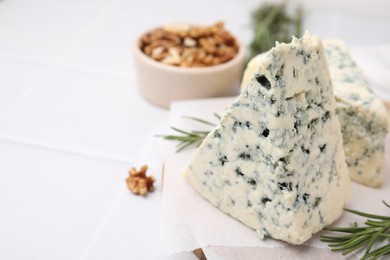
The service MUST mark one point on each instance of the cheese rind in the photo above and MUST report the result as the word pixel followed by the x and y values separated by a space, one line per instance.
pixel 275 160
pixel 363 117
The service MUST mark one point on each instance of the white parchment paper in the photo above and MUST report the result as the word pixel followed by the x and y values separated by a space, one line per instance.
pixel 189 222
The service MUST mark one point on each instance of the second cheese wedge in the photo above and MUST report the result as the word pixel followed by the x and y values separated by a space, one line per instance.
pixel 362 115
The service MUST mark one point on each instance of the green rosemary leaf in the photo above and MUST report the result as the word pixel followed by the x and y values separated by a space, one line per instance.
pixel 345 230
pixel 199 120
pixel 334 240
pixel 365 231
pixel 356 245
pixel 181 131
pixel 171 137
pixel 178 137
pixel 367 215
pixel 377 223
pixel 217 116
pixel 371 243
pixel 201 132
pixel 347 243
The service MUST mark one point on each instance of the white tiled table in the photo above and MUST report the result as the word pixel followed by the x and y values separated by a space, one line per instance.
pixel 72 121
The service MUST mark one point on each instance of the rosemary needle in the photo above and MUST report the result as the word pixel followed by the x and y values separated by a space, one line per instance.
pixel 377 229
pixel 190 138
pixel 200 120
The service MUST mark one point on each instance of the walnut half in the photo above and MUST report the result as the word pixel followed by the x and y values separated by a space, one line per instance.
pixel 138 182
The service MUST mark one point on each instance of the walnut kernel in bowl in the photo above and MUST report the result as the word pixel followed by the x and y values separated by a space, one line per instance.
pixel 190 46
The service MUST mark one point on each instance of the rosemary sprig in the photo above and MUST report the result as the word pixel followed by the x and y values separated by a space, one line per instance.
pixel 271 23
pixel 377 229
pixel 192 138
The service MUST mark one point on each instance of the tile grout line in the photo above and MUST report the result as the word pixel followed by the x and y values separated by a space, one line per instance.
pixel 66 66
pixel 60 61
pixel 105 220
pixel 54 148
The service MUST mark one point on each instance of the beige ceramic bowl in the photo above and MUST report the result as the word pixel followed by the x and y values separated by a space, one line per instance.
pixel 161 84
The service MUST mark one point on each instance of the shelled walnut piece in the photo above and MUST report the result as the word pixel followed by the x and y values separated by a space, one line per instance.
pixel 190 46
pixel 138 182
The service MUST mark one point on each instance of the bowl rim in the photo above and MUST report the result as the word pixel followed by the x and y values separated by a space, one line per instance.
pixel 239 57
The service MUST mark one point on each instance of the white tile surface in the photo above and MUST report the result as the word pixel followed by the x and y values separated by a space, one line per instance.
pixel 108 48
pixel 16 78
pixel 238 19
pixel 177 11
pixel 87 112
pixel 51 203
pixel 372 7
pixel 133 217
pixel 91 5
pixel 353 28
pixel 42 32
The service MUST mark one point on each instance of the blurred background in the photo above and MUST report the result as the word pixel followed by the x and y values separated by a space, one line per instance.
pixel 72 120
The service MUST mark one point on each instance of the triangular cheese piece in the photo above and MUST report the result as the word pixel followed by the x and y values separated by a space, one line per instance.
pixel 362 115
pixel 275 161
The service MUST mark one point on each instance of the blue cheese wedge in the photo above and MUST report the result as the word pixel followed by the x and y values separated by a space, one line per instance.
pixel 275 161
pixel 362 115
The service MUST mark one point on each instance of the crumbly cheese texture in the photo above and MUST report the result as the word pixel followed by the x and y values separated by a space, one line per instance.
pixel 362 115
pixel 275 161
